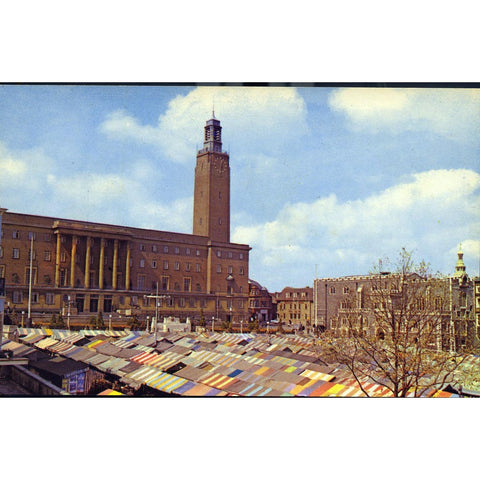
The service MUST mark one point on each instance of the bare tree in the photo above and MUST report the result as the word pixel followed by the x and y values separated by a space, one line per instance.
pixel 396 331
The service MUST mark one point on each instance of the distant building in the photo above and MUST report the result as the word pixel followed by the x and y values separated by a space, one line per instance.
pixel 295 306
pixel 260 303
pixel 452 297
pixel 81 268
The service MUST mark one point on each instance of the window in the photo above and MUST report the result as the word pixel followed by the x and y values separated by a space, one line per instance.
pixel 198 287
pixel 154 249
pixel 142 247
pixel 219 269
pixel 16 253
pixel 141 282
pixel 47 237
pixel 17 297
pixel 332 290
pixel 187 251
pixel 191 302
pixel 63 239
pixel 188 267
pixel 165 249
pixel 47 255
pixel 134 300
pixel 165 264
pixel 165 283
pixel 16 234
pixel 181 302
pixel 197 267
pixel 1 251
pixel 63 277
pixel 34 297
pixel 187 284
pixel 63 257
pixel 230 269
pixel 154 264
pixel 47 279
pixel 49 298
pixel 176 266
pixel 105 260
pixel 345 289
pixel 142 263
pixel 32 235
pixel 240 304
pixel 197 253
pixel 177 250
pixel 34 275
pixel 229 255
pixel 241 271
pixel 2 271
pixel 219 253
pixel 240 255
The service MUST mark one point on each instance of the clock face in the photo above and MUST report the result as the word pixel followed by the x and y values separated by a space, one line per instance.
pixel 219 164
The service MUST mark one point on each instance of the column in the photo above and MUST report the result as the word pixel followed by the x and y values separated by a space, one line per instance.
pixel 57 261
pixel 72 261
pixel 87 264
pixel 127 268
pixel 100 268
pixel 115 259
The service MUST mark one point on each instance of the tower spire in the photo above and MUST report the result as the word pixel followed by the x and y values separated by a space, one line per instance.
pixel 460 266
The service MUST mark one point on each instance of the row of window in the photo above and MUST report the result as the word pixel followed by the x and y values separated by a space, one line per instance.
pixel 295 295
pixel 345 290
pixel 294 306
pixel 47 237
pixel 17 235
pixel 47 257
pixel 18 297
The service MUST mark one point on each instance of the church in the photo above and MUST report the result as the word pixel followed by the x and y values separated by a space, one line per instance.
pixel 78 269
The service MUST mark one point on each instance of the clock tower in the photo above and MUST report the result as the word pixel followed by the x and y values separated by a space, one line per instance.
pixel 211 198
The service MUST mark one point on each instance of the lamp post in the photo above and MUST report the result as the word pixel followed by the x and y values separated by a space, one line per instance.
pixel 241 325
pixel 109 322
pixel 23 313
pixel 68 313
pixel 213 324
pixel 157 297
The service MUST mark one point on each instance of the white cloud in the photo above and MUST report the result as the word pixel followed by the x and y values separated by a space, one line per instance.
pixel 31 178
pixel 453 113
pixel 23 173
pixel 430 213
pixel 245 113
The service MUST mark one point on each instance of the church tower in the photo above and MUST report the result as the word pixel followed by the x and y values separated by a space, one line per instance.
pixel 211 198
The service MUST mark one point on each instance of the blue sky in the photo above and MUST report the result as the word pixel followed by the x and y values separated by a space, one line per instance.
pixel 325 178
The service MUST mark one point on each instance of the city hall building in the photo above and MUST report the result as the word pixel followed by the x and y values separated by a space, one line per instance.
pixel 82 268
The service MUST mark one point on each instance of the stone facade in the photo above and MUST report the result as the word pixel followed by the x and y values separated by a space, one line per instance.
pixel 81 268
pixel 452 298
pixel 260 303
pixel 294 306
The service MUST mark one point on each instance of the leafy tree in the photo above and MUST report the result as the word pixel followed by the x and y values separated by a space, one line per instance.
pixel 394 333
